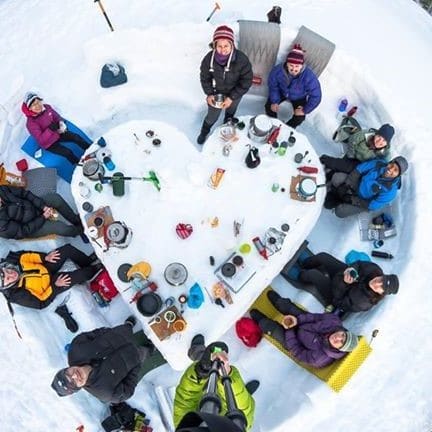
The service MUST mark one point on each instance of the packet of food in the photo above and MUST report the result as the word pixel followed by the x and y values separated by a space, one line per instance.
pixel 216 178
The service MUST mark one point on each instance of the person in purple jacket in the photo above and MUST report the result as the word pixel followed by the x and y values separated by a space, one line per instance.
pixel 296 83
pixel 49 130
pixel 316 339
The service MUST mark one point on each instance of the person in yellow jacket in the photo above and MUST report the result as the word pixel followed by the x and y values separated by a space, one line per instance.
pixel 34 279
pixel 193 383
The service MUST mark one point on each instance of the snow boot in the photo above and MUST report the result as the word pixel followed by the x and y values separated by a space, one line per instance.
pixel 252 386
pixel 64 313
pixel 131 320
pixel 205 130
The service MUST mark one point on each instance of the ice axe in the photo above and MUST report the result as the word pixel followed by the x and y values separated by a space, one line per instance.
pixel 104 14
pixel 217 6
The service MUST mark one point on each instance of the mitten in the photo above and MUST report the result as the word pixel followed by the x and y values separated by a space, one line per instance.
pixel 203 366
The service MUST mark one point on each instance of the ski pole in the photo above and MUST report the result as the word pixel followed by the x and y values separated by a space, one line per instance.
pixel 12 313
pixel 213 11
pixel 104 14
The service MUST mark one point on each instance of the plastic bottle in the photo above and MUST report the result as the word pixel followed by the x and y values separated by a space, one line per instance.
pixel 352 111
pixel 109 164
pixel 380 254
pixel 342 107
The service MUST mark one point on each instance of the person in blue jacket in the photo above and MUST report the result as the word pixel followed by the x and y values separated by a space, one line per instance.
pixel 296 83
pixel 369 187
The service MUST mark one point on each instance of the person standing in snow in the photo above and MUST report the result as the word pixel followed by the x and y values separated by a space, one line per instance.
pixel 34 279
pixel 226 75
pixel 350 288
pixel 193 384
pixel 296 83
pixel 316 339
pixel 106 362
pixel 48 129
pixel 24 215
pixel 361 146
pixel 370 186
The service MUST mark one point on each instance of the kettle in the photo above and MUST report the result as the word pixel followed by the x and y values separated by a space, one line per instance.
pixel 118 234
pixel 260 128
pixel 93 169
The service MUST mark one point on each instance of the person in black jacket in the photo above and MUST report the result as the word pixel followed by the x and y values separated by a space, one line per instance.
pixel 226 75
pixel 106 362
pixel 353 288
pixel 24 215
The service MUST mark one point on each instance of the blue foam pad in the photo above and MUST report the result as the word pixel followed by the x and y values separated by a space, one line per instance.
pixel 51 160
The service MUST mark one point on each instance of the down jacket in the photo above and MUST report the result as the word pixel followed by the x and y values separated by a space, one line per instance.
pixel 308 340
pixel 283 86
pixel 190 390
pixel 358 147
pixel 233 83
pixel 38 125
pixel 115 359
pixel 34 287
pixel 357 296
pixel 21 213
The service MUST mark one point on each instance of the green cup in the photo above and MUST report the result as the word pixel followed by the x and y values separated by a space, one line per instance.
pixel 245 248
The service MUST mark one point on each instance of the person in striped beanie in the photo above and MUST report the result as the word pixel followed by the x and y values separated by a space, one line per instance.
pixel 225 75
pixel 296 83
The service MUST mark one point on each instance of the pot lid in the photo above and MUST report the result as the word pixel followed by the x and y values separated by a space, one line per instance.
pixel 122 272
pixel 116 232
pixel 176 274
pixel 228 269
pixel 90 167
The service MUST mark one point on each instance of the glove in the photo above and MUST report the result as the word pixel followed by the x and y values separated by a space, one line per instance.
pixel 343 191
pixel 203 366
pixel 54 126
pixel 324 158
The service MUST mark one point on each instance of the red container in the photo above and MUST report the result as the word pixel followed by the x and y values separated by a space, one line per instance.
pixel 22 165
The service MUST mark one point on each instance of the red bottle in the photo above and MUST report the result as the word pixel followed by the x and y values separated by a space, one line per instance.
pixel 308 169
pixel 352 111
pixel 273 136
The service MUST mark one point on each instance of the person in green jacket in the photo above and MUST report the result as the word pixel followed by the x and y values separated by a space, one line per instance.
pixel 193 383
pixel 362 146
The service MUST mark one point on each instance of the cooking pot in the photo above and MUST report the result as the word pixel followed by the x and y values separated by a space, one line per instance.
pixel 118 234
pixel 175 274
pixel 307 188
pixel 93 169
pixel 260 128
pixel 149 304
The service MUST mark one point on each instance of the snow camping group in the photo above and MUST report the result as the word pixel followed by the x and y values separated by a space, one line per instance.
pixel 106 362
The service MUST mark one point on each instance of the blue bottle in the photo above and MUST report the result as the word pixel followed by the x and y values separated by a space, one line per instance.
pixel 343 104
pixel 109 164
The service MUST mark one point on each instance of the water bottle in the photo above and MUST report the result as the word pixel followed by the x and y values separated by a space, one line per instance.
pixel 352 111
pixel 379 254
pixel 342 107
pixel 109 164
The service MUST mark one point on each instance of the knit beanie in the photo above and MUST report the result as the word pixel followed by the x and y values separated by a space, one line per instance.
pixel 390 284
pixel 296 55
pixel 223 32
pixel 386 131
pixel 30 97
pixel 61 385
pixel 401 162
pixel 351 342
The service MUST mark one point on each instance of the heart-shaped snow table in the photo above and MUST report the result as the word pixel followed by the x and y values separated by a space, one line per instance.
pixel 244 196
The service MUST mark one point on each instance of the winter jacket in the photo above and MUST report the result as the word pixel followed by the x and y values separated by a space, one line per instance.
pixel 115 361
pixel 357 296
pixel 308 340
pixel 21 213
pixel 38 125
pixel 359 148
pixel 283 86
pixel 34 287
pixel 191 388
pixel 374 188
pixel 233 83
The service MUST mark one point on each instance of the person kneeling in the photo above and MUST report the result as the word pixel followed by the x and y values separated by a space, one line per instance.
pixel 316 339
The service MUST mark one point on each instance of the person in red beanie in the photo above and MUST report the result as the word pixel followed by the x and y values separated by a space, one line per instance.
pixel 296 83
pixel 226 75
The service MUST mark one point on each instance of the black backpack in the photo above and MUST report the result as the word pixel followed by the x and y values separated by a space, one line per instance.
pixel 252 159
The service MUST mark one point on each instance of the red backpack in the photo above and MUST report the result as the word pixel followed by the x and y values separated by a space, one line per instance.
pixel 104 286
pixel 248 331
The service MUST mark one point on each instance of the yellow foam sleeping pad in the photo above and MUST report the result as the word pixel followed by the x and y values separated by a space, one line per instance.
pixel 335 375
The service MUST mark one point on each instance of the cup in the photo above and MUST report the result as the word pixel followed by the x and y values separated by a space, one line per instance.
pixel 98 221
pixel 84 190
pixel 22 165
pixel 275 187
pixel 149 133
pixel 238 260
pixel 218 100
pixel 101 142
pixel 87 207
pixel 98 187
pixel 245 248
pixel 179 325
pixel 156 142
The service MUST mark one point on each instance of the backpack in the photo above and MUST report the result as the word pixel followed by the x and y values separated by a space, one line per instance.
pixel 248 331
pixel 348 126
pixel 103 286
pixel 252 158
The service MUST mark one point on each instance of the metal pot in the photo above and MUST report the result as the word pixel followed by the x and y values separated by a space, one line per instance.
pixel 149 304
pixel 260 128
pixel 118 234
pixel 307 188
pixel 92 169
pixel 176 274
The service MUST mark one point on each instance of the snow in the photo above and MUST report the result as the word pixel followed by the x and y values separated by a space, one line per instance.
pixel 381 64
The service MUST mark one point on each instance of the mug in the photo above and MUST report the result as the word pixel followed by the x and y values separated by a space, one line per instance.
pixel 179 325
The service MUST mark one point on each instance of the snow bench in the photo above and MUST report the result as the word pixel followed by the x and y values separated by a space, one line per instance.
pixel 335 375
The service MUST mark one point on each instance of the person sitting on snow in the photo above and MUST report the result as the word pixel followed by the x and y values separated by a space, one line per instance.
pixel 106 362
pixel 226 72
pixel 48 129
pixel 296 83
pixel 316 339
pixel 34 279
pixel 193 383
pixel 370 186
pixel 349 288
pixel 362 145
pixel 24 215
